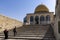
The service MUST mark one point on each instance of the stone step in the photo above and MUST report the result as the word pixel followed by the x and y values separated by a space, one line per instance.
pixel 31 35
pixel 27 35
pixel 10 37
pixel 29 32
pixel 49 39
pixel 16 39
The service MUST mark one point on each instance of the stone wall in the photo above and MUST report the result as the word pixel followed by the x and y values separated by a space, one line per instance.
pixel 8 23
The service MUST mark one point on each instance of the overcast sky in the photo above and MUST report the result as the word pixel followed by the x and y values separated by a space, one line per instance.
pixel 17 9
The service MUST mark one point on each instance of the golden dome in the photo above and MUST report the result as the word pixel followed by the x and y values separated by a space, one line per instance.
pixel 41 8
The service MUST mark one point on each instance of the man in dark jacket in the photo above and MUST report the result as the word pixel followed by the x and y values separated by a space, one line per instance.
pixel 14 30
pixel 6 34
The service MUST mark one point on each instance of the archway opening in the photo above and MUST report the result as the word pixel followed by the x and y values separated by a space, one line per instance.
pixel 25 19
pixel 37 19
pixel 42 19
pixel 31 19
pixel 47 18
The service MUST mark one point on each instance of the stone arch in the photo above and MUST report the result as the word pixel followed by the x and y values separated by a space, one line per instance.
pixel 25 19
pixel 31 19
pixel 48 18
pixel 42 18
pixel 37 19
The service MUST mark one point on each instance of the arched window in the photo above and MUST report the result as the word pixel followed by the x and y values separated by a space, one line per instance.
pixel 37 19
pixel 47 18
pixel 42 18
pixel 31 18
pixel 25 20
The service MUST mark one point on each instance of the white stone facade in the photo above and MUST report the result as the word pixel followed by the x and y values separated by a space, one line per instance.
pixel 39 15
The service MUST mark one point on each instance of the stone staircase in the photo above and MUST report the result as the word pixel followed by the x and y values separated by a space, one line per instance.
pixel 50 34
pixel 32 32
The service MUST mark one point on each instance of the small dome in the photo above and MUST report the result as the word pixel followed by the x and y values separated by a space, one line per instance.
pixel 41 8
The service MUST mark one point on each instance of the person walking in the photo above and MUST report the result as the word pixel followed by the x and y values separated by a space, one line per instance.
pixel 14 31
pixel 6 33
